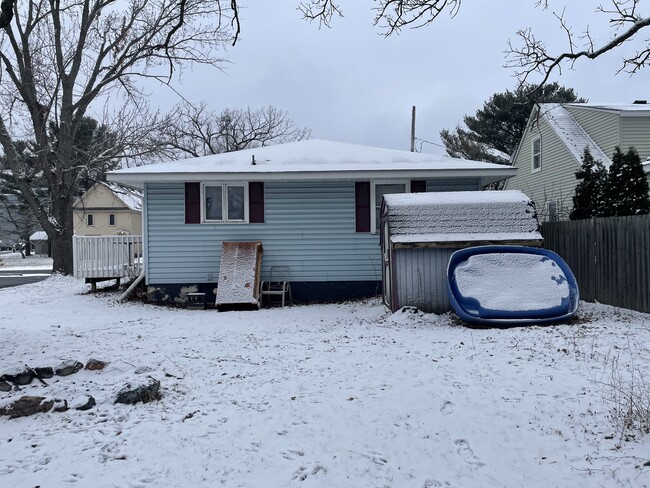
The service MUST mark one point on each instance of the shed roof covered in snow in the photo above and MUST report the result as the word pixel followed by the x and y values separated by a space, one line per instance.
pixel 446 219
pixel 312 159
pixel 39 235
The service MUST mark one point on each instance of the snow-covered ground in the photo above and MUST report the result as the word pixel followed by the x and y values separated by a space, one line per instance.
pixel 339 395
pixel 12 261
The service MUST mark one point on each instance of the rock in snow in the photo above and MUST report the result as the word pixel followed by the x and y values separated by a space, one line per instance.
pixel 67 368
pixel 83 403
pixel 95 365
pixel 144 393
pixel 26 406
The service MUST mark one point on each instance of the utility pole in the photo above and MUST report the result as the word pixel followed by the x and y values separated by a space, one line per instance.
pixel 413 129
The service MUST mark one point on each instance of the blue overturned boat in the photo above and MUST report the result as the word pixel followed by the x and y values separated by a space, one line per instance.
pixel 511 286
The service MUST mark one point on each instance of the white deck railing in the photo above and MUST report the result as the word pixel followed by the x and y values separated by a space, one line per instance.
pixel 107 256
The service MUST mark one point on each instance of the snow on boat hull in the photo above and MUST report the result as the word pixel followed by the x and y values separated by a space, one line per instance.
pixel 510 286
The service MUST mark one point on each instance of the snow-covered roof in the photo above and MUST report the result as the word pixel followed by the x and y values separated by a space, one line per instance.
pixel 571 133
pixel 40 235
pixel 132 198
pixel 623 108
pixel 312 159
pixel 466 216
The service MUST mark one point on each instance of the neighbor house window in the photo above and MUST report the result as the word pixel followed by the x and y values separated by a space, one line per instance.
pixel 537 154
pixel 90 220
pixel 552 211
pixel 379 190
pixel 111 220
pixel 226 202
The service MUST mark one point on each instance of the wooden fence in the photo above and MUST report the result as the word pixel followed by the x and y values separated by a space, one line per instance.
pixel 610 258
pixel 107 256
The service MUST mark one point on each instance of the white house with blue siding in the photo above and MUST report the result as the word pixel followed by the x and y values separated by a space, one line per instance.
pixel 313 204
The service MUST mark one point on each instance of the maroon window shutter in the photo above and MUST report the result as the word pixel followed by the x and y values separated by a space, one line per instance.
pixel 418 186
pixel 192 203
pixel 362 206
pixel 256 202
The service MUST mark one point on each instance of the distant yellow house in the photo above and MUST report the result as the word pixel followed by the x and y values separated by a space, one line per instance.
pixel 108 209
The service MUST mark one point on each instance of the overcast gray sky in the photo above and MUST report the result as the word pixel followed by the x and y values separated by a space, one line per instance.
pixel 350 84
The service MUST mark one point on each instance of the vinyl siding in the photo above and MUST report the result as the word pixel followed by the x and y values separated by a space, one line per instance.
pixel 421 279
pixel 555 181
pixel 602 126
pixel 635 132
pixel 125 220
pixel 309 227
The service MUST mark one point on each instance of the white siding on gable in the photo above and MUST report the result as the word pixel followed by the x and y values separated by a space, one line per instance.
pixel 602 126
pixel 555 181
pixel 635 132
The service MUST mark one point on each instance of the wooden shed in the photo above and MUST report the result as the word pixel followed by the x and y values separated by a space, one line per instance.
pixel 420 231
pixel 40 243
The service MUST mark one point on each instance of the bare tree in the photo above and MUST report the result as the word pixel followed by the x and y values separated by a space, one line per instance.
pixel 59 57
pixel 193 131
pixel 528 55
pixel 531 56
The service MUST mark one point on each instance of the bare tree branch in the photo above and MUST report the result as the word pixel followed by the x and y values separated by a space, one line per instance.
pixel 396 14
pixel 59 56
pixel 320 10
pixel 192 131
pixel 532 56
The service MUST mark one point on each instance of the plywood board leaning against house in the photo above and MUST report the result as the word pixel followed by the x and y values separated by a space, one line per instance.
pixel 239 276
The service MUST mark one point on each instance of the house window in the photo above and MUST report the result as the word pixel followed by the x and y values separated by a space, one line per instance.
pixel 226 202
pixel 552 211
pixel 537 154
pixel 111 220
pixel 379 190
pixel 90 220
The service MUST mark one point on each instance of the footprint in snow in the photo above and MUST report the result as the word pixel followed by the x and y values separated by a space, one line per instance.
pixel 291 454
pixel 72 478
pixel 436 484
pixel 375 457
pixel 467 453
pixel 447 407
pixel 303 472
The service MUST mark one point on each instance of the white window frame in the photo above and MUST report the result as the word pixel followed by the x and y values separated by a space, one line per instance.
pixel 90 217
pixel 538 154
pixel 224 202
pixel 114 220
pixel 373 198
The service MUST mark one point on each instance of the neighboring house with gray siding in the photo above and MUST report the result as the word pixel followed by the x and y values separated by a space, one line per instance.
pixel 550 151
pixel 313 204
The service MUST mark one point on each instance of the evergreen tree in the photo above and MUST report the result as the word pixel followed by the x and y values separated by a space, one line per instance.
pixel 93 152
pixel 493 134
pixel 626 191
pixel 588 198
